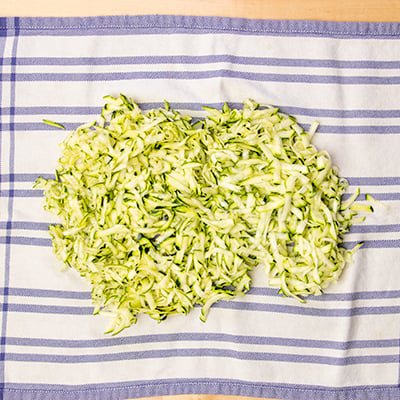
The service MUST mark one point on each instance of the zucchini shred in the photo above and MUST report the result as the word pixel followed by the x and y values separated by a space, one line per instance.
pixel 159 213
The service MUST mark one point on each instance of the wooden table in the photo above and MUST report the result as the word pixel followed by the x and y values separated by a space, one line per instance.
pixel 333 10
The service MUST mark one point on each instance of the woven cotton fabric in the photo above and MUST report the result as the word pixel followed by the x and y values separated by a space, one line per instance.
pixel 344 344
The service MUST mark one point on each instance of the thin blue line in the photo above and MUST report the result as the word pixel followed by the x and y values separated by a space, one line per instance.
pixel 254 290
pixel 389 196
pixel 203 352
pixel 50 309
pixel 1 97
pixel 323 129
pixel 206 74
pixel 311 311
pixel 32 226
pixel 369 228
pixel 31 193
pixel 347 312
pixel 51 293
pixel 373 244
pixel 353 180
pixel 341 296
pixel 10 206
pixel 2 339
pixel 25 241
pixel 373 181
pixel 206 59
pixel 44 226
pixel 312 112
pixel 203 337
pixel 21 193
pixel 31 177
pixel 367 244
pixel 398 384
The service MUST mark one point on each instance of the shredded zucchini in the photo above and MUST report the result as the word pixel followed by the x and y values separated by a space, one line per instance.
pixel 161 214
pixel 52 123
pixel 371 199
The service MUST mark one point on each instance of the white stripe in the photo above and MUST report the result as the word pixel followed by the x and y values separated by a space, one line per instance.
pixel 213 90
pixel 207 367
pixel 239 45
pixel 157 67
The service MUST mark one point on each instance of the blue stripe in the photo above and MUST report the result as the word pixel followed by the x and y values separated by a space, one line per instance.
pixel 39 193
pixel 25 241
pixel 312 112
pixel 199 353
pixel 44 226
pixel 182 382
pixel 206 59
pixel 21 193
pixel 323 129
pixel 54 110
pixel 373 181
pixel 360 228
pixel 165 24
pixel 25 225
pixel 210 74
pixel 367 244
pixel 228 305
pixel 52 293
pixel 203 337
pixel 365 295
pixel 399 365
pixel 31 193
pixel 49 309
pixel 185 386
pixel 3 38
pixel 310 311
pixel 392 196
pixel 42 127
pixel 358 129
pixel 341 113
pixel 374 244
pixel 2 46
pixel 24 177
pixel 378 196
pixel 353 180
pixel 10 206
pixel 254 290
pixel 349 297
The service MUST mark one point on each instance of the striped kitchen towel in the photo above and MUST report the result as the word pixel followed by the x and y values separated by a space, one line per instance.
pixel 344 344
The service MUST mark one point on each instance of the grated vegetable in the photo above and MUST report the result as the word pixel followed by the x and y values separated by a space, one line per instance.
pixel 161 214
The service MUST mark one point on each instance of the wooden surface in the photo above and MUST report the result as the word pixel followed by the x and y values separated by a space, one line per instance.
pixel 347 10
pixel 333 10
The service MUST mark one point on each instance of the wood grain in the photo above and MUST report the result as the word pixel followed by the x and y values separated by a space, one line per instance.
pixel 334 10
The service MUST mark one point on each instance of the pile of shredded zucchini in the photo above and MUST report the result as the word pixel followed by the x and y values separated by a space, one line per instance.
pixel 159 213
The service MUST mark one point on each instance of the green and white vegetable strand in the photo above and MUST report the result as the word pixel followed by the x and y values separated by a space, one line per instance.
pixel 159 213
